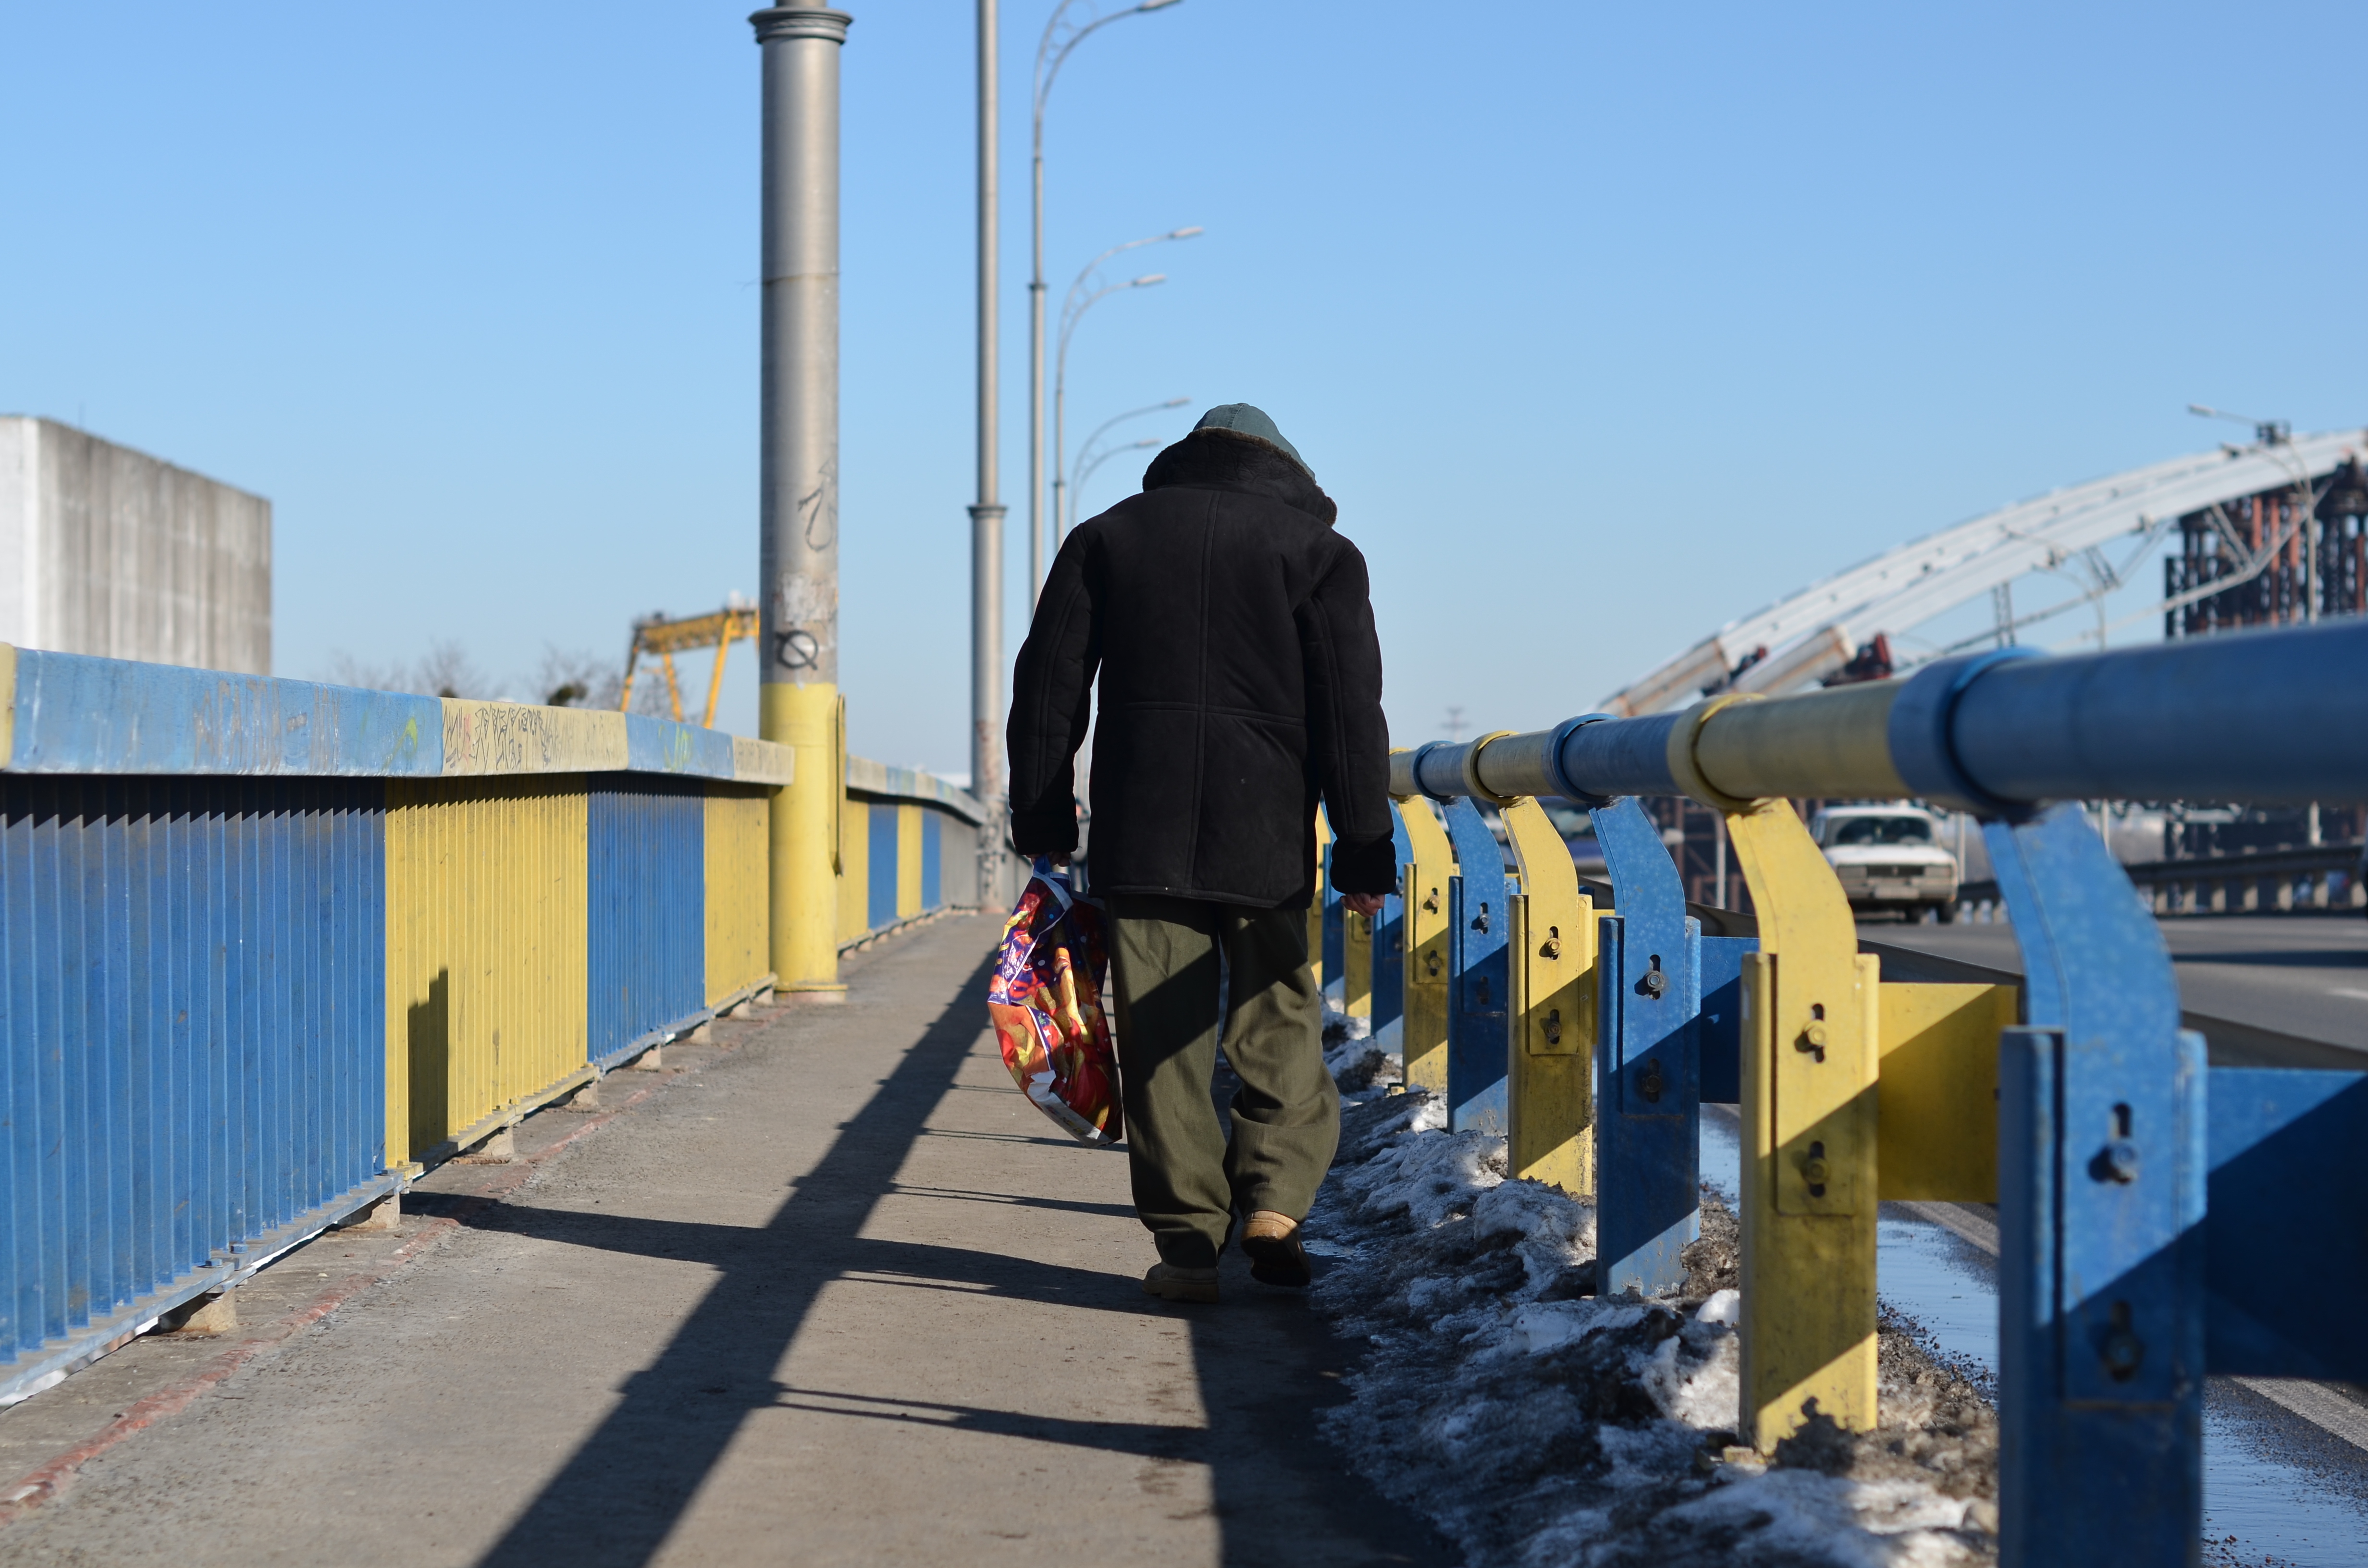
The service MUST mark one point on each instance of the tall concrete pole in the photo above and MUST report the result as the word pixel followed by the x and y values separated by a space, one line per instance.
pixel 1036 351
pixel 986 516
pixel 798 700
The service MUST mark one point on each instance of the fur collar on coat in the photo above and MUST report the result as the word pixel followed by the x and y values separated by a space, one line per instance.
pixel 1218 458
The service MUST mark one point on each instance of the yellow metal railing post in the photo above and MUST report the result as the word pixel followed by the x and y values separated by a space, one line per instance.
pixel 1356 965
pixel 1315 904
pixel 1422 886
pixel 1811 1039
pixel 1938 1096
pixel 1550 1051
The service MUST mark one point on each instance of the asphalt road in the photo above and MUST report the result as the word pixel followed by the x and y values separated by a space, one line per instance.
pixel 2305 975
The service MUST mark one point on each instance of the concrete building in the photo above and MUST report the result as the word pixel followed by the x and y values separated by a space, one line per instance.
pixel 108 550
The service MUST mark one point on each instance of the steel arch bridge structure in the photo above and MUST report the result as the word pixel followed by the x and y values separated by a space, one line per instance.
pixel 2271 530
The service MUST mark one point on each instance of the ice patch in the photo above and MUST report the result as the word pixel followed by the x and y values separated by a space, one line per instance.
pixel 1724 1306
pixel 1553 1324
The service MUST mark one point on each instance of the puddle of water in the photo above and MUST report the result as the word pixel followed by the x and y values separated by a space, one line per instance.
pixel 1944 1283
pixel 1722 1158
pixel 2281 1510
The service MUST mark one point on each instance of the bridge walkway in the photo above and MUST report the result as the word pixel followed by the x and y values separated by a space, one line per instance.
pixel 828 1291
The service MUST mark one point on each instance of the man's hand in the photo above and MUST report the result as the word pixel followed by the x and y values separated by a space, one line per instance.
pixel 1368 904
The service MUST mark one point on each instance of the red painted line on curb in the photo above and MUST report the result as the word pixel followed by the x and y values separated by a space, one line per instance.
pixel 52 1480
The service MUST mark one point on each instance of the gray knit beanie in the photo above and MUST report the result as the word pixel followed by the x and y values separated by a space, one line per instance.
pixel 1247 419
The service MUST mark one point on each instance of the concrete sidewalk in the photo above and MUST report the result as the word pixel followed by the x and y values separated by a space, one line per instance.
pixel 839 1296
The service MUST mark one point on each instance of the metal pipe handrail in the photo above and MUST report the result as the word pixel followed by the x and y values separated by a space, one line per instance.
pixel 2270 716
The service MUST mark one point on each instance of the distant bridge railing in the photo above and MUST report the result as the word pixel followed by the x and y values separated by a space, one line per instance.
pixel 2255 881
pixel 2147 1204
pixel 268 947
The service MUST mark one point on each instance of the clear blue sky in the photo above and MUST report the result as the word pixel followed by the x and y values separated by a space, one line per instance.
pixel 1603 323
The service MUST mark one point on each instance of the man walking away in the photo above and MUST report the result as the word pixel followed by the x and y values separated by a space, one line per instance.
pixel 1241 683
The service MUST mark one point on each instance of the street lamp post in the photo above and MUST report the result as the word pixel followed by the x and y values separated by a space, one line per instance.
pixel 986 512
pixel 798 700
pixel 1050 55
pixel 1073 311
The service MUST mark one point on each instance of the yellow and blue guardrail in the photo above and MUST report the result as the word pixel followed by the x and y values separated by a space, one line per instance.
pixel 267 946
pixel 2151 1210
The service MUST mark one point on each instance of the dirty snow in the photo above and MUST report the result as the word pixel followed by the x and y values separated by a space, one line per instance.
pixel 1355 1057
pixel 1534 1424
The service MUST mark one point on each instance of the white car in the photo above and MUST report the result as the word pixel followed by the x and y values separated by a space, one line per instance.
pixel 1889 857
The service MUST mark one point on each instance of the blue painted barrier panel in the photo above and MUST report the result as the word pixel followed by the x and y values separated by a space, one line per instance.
pixel 1719 1024
pixel 192 1030
pixel 2285 1150
pixel 1479 977
pixel 2101 1189
pixel 1647 1071
pixel 645 967
pixel 879 907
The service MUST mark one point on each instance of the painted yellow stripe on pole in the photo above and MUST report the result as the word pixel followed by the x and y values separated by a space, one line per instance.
pixel 807 847
pixel 1823 744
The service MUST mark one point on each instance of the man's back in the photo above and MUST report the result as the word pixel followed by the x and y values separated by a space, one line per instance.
pixel 1240 681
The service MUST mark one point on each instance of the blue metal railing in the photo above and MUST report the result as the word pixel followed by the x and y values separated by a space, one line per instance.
pixel 2147 1204
pixel 193 1065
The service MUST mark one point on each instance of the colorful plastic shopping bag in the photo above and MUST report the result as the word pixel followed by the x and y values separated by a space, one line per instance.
pixel 1046 1003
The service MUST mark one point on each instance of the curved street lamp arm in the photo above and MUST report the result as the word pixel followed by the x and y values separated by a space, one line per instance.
pixel 1045 74
pixel 1069 319
pixel 1087 448
pixel 1078 485
pixel 1193 231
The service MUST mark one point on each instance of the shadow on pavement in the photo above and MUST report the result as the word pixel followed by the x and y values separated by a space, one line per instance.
pixel 622 1492
pixel 1269 1367
pixel 1266 1364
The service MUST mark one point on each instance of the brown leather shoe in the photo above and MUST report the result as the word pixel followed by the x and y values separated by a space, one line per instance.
pixel 1271 1242
pixel 1170 1283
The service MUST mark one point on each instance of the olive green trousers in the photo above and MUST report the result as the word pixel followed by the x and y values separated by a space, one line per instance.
pixel 1189 1177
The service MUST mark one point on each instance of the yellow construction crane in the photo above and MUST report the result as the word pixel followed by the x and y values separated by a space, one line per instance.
pixel 656 635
